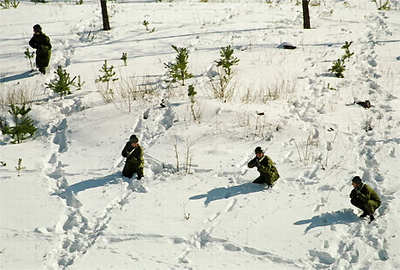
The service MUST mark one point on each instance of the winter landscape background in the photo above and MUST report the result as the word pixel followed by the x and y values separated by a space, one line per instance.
pixel 70 208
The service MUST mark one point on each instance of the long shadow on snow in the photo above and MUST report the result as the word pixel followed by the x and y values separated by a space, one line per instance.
pixel 345 216
pixel 69 192
pixel 17 77
pixel 94 183
pixel 225 193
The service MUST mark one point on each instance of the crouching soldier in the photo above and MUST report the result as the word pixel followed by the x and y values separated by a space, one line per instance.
pixel 265 166
pixel 134 162
pixel 365 198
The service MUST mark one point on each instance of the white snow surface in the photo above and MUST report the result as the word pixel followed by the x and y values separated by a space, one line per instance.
pixel 70 207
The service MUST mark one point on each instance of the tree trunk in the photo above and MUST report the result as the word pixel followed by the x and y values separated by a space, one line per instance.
pixel 306 15
pixel 104 13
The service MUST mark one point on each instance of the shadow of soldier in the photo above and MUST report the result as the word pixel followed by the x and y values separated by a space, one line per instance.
pixel 227 192
pixel 17 77
pixel 69 192
pixel 345 216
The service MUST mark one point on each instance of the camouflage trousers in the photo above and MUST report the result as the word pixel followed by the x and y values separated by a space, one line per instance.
pixel 368 207
pixel 129 170
pixel 266 179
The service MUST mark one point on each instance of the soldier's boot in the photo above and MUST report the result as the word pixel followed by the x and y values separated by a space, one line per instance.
pixel 371 218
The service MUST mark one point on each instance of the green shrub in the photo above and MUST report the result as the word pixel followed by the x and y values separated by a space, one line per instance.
pixel 124 58
pixel 29 55
pixel 384 6
pixel 23 126
pixel 19 167
pixel 62 84
pixel 347 53
pixel 191 94
pixel 179 69
pixel 6 4
pixel 146 25
pixel 108 75
pixel 222 87
pixel 227 60
pixel 338 68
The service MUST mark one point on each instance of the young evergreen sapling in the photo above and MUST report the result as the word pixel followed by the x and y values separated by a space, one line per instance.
pixel 61 84
pixel 191 94
pixel 227 60
pixel 29 55
pixel 108 74
pixel 124 58
pixel 19 167
pixel 23 126
pixel 223 88
pixel 179 69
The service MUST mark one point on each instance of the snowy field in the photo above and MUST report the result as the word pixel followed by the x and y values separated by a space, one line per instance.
pixel 196 207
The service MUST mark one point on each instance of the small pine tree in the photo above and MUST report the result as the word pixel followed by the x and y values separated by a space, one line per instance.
pixel 29 55
pixel 347 53
pixel 179 69
pixel 19 167
pixel 79 83
pixel 227 60
pixel 191 94
pixel 61 84
pixel 384 6
pixel 124 58
pixel 24 126
pixel 223 88
pixel 146 24
pixel 108 74
pixel 338 68
pixel 6 4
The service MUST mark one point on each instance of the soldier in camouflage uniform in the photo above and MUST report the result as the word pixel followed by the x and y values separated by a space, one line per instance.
pixel 265 166
pixel 42 44
pixel 134 163
pixel 364 197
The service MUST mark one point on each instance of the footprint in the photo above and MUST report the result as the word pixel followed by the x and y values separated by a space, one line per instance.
pixel 378 177
pixel 230 205
pixel 213 217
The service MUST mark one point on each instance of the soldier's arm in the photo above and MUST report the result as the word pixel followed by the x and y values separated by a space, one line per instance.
pixel 32 43
pixel 124 152
pixel 353 194
pixel 266 165
pixel 252 163
pixel 364 196
pixel 47 43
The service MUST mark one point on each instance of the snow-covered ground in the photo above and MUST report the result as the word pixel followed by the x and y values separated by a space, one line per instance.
pixel 70 208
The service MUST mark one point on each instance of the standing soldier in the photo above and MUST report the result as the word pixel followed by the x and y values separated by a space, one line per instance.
pixel 42 44
pixel 134 162
pixel 365 198
pixel 265 166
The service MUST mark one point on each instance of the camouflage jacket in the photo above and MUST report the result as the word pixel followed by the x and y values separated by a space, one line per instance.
pixel 41 43
pixel 265 166
pixel 364 193
pixel 134 156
